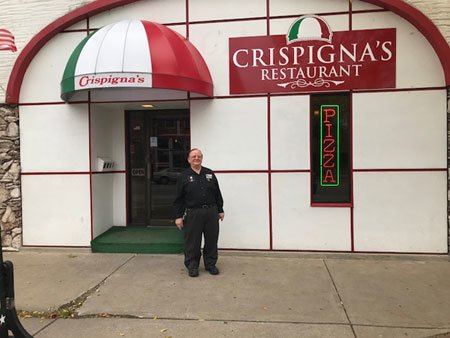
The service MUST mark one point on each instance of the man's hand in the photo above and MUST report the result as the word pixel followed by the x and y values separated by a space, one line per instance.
pixel 179 223
pixel 221 216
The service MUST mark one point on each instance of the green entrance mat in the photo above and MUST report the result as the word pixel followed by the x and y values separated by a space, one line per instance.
pixel 139 239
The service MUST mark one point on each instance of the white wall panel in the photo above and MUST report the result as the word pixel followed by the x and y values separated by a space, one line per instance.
pixel 361 5
pixel 108 135
pixel 56 210
pixel 135 94
pixel 108 140
pixel 401 212
pixel 118 139
pixel 180 29
pixel 246 206
pixel 54 138
pixel 204 10
pixel 119 203
pixel 160 11
pixel 336 23
pixel 297 226
pixel 417 63
pixel 108 201
pixel 301 7
pixel 212 42
pixel 79 25
pixel 43 77
pixel 289 127
pixel 400 130
pixel 232 133
pixel 102 202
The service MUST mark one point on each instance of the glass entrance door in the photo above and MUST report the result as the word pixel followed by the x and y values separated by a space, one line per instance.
pixel 158 142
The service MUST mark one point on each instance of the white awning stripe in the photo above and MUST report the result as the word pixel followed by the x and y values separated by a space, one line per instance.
pixel 87 60
pixel 137 56
pixel 110 54
pixel 120 46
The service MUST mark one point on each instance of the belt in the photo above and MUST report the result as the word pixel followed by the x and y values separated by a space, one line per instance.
pixel 203 206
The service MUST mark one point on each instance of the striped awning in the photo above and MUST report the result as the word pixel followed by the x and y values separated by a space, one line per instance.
pixel 135 54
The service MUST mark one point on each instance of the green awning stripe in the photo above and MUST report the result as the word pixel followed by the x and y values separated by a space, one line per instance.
pixel 67 83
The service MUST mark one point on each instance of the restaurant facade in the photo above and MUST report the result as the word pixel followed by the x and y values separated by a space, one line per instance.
pixel 324 121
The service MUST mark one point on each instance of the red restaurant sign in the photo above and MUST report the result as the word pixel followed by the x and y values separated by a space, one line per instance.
pixel 313 59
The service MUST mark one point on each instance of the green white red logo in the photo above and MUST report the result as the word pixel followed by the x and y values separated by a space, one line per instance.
pixel 307 28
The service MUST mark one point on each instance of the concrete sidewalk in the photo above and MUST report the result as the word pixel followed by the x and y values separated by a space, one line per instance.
pixel 256 295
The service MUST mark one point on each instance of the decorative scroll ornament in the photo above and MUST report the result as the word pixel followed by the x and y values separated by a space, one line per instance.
pixel 302 83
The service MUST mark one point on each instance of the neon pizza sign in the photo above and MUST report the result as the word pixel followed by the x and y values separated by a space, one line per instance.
pixel 329 146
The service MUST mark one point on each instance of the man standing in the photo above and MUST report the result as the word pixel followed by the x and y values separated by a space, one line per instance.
pixel 198 208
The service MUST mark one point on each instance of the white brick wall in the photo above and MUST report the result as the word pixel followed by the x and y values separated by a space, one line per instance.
pixel 438 11
pixel 27 17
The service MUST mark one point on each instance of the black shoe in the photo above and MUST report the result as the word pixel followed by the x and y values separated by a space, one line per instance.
pixel 193 272
pixel 213 270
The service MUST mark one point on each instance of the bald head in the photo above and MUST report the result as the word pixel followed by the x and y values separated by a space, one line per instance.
pixel 195 158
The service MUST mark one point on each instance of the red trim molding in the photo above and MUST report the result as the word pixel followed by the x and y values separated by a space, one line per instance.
pixel 425 26
pixel 411 14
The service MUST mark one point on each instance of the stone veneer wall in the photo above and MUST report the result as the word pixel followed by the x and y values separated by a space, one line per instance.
pixel 10 196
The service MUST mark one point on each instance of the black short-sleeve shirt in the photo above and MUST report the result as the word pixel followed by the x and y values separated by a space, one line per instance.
pixel 195 190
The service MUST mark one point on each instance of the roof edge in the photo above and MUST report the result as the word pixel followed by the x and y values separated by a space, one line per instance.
pixel 399 7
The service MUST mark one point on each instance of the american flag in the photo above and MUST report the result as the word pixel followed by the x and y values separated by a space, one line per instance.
pixel 7 40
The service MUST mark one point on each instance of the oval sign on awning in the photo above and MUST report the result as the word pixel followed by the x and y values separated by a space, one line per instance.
pixel 135 54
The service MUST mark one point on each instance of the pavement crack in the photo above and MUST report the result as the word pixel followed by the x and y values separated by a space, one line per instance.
pixel 69 310
pixel 340 298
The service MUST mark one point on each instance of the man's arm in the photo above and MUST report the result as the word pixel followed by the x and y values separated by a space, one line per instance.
pixel 219 199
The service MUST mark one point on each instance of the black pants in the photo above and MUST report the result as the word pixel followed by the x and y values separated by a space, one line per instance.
pixel 196 223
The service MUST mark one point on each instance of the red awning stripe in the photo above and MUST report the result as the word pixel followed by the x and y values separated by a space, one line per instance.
pixel 174 58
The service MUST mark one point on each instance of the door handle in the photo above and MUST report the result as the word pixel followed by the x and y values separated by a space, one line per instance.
pixel 149 170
